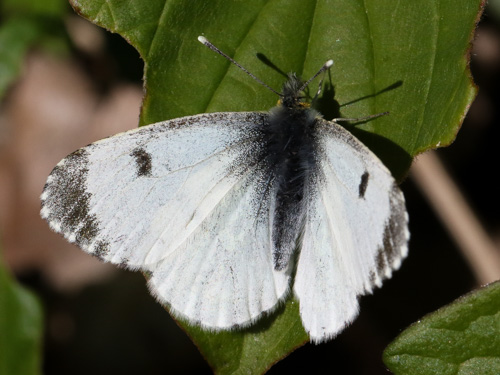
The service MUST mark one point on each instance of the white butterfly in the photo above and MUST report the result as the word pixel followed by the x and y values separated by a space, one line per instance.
pixel 231 211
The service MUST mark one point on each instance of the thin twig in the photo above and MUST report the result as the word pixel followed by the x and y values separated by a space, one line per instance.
pixel 457 216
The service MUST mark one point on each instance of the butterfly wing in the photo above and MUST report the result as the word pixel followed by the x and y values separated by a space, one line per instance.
pixel 228 261
pixel 356 232
pixel 178 199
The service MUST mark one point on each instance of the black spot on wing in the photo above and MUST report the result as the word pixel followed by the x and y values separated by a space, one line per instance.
pixel 89 229
pixel 396 235
pixel 101 249
pixel 143 162
pixel 68 203
pixel 372 279
pixel 363 184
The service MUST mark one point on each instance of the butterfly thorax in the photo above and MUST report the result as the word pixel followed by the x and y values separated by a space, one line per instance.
pixel 291 158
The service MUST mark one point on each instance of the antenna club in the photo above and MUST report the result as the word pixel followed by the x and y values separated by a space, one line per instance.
pixel 202 39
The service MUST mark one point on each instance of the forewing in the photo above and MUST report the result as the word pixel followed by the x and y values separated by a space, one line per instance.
pixel 176 198
pixel 356 232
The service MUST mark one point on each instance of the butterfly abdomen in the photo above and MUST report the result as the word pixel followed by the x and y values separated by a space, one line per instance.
pixel 291 159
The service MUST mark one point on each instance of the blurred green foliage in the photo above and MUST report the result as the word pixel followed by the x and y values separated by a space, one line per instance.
pixel 26 24
pixel 20 328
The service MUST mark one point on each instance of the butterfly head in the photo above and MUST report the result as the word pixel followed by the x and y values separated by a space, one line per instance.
pixel 291 94
pixel 291 97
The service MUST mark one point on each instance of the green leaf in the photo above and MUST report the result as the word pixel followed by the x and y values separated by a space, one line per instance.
pixel 20 328
pixel 254 350
pixel 408 58
pixel 462 338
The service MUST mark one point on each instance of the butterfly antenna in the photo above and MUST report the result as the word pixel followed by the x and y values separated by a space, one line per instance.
pixel 325 66
pixel 320 88
pixel 204 41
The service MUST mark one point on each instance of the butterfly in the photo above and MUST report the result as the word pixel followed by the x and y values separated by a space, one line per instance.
pixel 229 213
